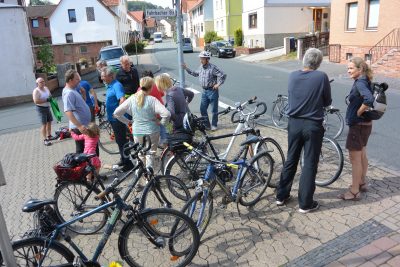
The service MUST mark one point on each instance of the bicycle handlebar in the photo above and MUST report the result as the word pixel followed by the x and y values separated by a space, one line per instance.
pixel 138 147
pixel 254 113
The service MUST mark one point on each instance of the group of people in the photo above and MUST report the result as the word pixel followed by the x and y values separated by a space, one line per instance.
pixel 140 101
pixel 309 92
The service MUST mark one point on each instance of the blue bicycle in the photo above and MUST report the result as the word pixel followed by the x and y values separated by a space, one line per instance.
pixel 251 182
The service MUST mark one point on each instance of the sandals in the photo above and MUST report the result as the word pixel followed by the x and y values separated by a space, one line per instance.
pixel 350 196
pixel 363 187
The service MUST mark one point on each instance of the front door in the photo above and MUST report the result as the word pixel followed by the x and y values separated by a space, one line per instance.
pixel 317 17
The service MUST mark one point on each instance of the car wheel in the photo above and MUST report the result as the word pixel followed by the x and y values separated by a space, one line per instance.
pixel 219 54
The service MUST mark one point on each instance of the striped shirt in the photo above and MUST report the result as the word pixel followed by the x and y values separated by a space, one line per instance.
pixel 209 75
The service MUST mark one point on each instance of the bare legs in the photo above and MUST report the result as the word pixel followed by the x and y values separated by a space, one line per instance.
pixel 359 164
pixel 46 130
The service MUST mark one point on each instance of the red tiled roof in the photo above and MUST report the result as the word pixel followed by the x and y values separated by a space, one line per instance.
pixel 192 4
pixel 137 15
pixel 151 22
pixel 111 2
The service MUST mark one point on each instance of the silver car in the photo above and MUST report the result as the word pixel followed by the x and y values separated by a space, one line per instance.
pixel 187 45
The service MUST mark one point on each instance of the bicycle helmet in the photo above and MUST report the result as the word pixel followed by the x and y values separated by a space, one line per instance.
pixel 189 122
pixel 205 54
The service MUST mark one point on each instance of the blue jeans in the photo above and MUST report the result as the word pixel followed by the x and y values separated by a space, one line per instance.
pixel 302 134
pixel 163 135
pixel 120 137
pixel 210 97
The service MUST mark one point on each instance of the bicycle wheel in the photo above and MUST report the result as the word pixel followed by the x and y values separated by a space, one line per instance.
pixel 164 191
pixel 107 139
pixel 278 116
pixel 172 233
pixel 255 179
pixel 333 124
pixel 330 164
pixel 75 198
pixel 275 151
pixel 199 208
pixel 28 252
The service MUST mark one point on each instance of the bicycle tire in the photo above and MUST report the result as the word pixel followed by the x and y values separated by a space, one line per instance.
pixel 27 252
pixel 198 204
pixel 164 191
pixel 333 124
pixel 330 164
pixel 179 243
pixel 255 178
pixel 107 140
pixel 278 117
pixel 72 193
pixel 275 151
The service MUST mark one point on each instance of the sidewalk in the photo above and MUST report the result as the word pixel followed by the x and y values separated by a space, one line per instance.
pixel 363 233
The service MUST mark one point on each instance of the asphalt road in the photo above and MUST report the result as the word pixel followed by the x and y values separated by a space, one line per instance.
pixel 266 80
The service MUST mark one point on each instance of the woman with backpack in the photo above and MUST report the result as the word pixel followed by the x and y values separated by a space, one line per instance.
pixel 360 99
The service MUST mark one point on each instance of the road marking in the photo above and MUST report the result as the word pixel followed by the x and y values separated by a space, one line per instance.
pixel 220 104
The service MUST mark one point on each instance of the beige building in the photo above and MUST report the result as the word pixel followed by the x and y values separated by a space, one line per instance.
pixel 369 29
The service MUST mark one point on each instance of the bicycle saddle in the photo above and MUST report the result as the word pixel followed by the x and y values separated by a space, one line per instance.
pixel 251 139
pixel 332 110
pixel 36 204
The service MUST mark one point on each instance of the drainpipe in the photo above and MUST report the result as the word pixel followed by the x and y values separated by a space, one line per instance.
pixel 228 20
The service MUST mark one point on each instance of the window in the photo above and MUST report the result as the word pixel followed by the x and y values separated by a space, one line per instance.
pixel 202 28
pixel 373 14
pixel 83 49
pixel 349 56
pixel 35 23
pixel 68 38
pixel 90 14
pixel 71 15
pixel 222 24
pixel 67 50
pixel 367 57
pixel 46 22
pixel 200 10
pixel 217 25
pixel 351 16
pixel 253 20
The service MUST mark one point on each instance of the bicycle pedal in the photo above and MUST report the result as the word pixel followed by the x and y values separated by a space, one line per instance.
pixel 160 242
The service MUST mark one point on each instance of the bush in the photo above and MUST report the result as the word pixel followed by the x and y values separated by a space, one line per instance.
pixel 45 55
pixel 131 47
pixel 146 34
pixel 239 37
pixel 211 36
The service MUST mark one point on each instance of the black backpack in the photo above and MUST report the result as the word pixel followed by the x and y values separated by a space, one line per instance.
pixel 379 106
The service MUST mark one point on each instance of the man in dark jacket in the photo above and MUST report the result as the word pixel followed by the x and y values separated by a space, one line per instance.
pixel 128 76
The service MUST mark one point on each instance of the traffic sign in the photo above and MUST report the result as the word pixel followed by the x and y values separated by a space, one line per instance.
pixel 160 13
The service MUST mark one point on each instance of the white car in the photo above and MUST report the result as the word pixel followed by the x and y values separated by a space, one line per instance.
pixel 187 45
pixel 111 55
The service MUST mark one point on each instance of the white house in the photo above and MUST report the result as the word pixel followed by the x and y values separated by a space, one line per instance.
pixel 16 56
pixel 201 20
pixel 266 22
pixel 136 19
pixel 89 21
pixel 167 28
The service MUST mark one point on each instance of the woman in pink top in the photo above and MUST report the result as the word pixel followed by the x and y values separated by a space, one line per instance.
pixel 91 139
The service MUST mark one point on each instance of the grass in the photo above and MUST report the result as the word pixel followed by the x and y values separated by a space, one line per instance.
pixel 290 56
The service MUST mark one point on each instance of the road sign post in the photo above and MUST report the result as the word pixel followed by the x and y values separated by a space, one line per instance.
pixel 5 244
pixel 179 40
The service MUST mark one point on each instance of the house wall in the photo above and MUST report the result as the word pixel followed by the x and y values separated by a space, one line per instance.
pixel 42 31
pixel 167 28
pixel 122 22
pixel 19 88
pixel 103 28
pixel 230 12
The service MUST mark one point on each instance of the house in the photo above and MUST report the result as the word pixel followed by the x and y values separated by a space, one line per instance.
pixel 39 22
pixel 367 29
pixel 201 20
pixel 13 2
pixel 168 27
pixel 17 56
pixel 227 17
pixel 266 22
pixel 137 22
pixel 90 21
pixel 151 25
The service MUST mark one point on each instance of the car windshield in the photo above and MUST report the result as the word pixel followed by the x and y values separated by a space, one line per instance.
pixel 223 44
pixel 110 54
pixel 186 40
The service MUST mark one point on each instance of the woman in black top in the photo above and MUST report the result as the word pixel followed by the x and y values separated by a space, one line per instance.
pixel 360 100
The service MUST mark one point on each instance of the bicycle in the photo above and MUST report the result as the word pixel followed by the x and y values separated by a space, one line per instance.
pixel 169 231
pixel 186 165
pixel 73 198
pixel 249 186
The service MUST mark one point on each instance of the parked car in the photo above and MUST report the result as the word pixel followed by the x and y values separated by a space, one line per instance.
pixel 111 55
pixel 158 37
pixel 221 49
pixel 187 45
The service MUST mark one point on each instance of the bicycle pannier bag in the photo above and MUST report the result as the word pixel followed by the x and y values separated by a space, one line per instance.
pixel 175 140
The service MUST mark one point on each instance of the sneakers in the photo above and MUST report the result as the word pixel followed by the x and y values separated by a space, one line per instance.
pixel 214 128
pixel 50 137
pixel 47 142
pixel 315 206
pixel 283 202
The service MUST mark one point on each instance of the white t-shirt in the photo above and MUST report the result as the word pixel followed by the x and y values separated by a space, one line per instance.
pixel 42 95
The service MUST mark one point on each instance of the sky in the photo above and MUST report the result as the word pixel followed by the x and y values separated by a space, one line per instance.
pixel 163 3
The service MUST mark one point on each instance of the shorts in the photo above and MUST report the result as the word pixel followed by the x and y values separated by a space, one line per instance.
pixel 44 114
pixel 358 135
pixel 96 162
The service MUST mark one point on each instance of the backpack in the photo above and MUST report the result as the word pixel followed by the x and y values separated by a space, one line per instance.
pixel 380 104
pixel 62 133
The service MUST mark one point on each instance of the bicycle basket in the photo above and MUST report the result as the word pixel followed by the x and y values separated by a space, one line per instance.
pixel 68 169
pixel 175 140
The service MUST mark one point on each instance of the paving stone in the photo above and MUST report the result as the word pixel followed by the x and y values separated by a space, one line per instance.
pixel 352 260
pixel 394 250
pixel 367 264
pixel 395 262
pixel 369 251
pixel 381 258
pixel 384 243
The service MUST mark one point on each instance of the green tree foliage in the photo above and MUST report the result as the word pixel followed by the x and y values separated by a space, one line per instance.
pixel 131 47
pixel 211 36
pixel 45 55
pixel 40 3
pixel 141 5
pixel 238 37
pixel 146 34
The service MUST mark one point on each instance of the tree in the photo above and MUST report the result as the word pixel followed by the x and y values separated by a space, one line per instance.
pixel 239 37
pixel 45 55
pixel 146 34
pixel 40 3
pixel 141 5
pixel 211 36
